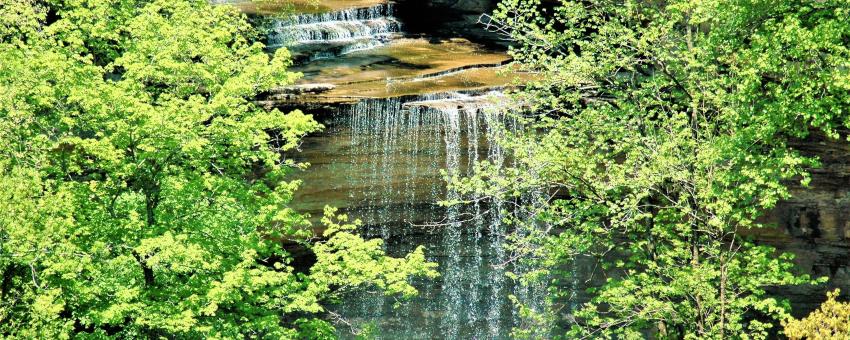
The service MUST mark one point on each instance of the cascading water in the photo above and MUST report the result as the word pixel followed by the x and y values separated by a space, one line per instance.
pixel 383 161
pixel 403 145
pixel 336 33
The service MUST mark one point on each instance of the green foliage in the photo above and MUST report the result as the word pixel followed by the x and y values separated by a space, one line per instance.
pixel 830 321
pixel 142 189
pixel 661 131
pixel 346 261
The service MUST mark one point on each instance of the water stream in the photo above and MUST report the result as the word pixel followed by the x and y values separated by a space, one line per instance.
pixel 398 150
pixel 384 161
pixel 332 34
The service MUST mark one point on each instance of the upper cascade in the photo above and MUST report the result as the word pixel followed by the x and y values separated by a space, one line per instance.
pixel 360 27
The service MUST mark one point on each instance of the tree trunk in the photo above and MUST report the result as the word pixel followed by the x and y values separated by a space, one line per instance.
pixel 146 271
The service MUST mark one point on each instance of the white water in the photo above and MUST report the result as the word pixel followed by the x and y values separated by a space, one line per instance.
pixel 406 144
pixel 360 28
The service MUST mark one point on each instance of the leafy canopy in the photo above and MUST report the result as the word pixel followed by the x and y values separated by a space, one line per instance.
pixel 660 135
pixel 830 321
pixel 143 192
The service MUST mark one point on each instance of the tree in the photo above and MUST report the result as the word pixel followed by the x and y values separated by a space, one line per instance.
pixel 830 321
pixel 656 135
pixel 143 192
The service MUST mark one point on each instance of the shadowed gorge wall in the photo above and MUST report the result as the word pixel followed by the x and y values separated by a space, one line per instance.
pixel 815 223
pixel 448 18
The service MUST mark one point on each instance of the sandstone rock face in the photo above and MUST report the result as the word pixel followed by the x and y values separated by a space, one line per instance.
pixel 815 223
pixel 444 18
pixel 475 6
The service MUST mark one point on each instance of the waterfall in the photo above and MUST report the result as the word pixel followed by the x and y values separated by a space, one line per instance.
pixel 402 145
pixel 345 31
pixel 496 278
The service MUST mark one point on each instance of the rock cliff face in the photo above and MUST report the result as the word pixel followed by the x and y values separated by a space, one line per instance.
pixel 474 6
pixel 815 223
pixel 448 18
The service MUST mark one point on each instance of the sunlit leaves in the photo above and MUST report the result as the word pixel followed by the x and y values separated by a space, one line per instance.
pixel 663 129
pixel 830 321
pixel 144 192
